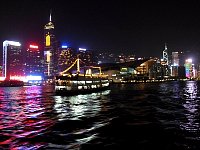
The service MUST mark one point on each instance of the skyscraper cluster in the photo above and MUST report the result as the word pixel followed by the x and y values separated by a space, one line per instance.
pixel 46 61
pixel 52 58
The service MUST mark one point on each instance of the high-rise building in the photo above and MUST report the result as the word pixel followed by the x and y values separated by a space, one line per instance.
pixel 165 55
pixel 177 64
pixel 66 58
pixel 165 63
pixel 174 64
pixel 175 58
pixel 188 68
pixel 33 61
pixel 13 65
pixel 86 56
pixel 50 50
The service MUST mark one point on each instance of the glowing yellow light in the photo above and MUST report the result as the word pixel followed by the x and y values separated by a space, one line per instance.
pixel 2 78
pixel 48 56
pixel 48 43
pixel 124 69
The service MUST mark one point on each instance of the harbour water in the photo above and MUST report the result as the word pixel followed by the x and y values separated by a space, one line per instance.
pixel 142 116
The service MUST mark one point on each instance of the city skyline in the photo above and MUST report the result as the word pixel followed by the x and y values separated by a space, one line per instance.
pixel 141 28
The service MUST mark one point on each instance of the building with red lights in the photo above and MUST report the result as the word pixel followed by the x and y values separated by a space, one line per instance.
pixel 33 65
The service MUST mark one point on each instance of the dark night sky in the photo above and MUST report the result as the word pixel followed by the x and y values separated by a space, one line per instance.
pixel 136 27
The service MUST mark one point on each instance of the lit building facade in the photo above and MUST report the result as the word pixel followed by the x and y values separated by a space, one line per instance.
pixel 165 55
pixel 174 64
pixel 188 68
pixel 105 58
pixel 156 71
pixel 86 56
pixel 34 61
pixel 175 58
pixel 50 50
pixel 143 71
pixel 198 71
pixel 177 65
pixel 66 58
pixel 13 64
pixel 165 73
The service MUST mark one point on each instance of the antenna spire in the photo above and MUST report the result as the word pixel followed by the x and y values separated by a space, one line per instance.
pixel 165 46
pixel 50 16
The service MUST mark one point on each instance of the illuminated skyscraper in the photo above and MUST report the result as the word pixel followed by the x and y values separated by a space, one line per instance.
pixel 13 65
pixel 177 64
pixel 174 64
pixel 165 55
pixel 33 61
pixel 175 58
pixel 50 50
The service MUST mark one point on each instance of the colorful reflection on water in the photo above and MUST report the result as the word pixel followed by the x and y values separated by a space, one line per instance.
pixel 28 114
pixel 154 115
pixel 23 115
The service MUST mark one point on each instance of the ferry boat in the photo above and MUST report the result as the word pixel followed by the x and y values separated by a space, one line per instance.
pixel 80 83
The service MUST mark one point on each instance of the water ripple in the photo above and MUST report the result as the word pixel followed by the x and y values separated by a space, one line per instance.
pixel 147 115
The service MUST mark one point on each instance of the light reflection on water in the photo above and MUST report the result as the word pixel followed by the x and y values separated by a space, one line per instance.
pixel 78 108
pixel 191 106
pixel 75 107
pixel 28 113
pixel 23 116
pixel 34 118
pixel 181 107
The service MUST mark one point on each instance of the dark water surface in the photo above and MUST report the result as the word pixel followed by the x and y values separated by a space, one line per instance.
pixel 160 116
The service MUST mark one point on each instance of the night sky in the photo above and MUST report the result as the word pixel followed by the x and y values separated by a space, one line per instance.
pixel 130 27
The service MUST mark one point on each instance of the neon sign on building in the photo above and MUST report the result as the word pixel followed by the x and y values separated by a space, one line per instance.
pixel 33 46
pixel 188 67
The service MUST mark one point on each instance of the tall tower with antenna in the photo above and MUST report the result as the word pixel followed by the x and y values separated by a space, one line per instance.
pixel 165 55
pixel 50 49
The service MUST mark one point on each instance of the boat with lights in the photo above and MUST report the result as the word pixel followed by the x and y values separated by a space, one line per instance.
pixel 86 80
